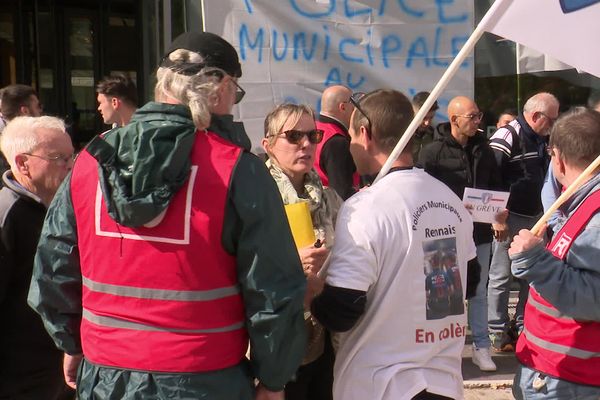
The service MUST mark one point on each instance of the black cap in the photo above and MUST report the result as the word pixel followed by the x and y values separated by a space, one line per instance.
pixel 215 50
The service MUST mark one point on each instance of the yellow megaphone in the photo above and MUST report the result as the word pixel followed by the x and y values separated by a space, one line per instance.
pixel 298 215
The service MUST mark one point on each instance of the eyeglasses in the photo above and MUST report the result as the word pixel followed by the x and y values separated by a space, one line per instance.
pixel 552 120
pixel 550 151
pixel 355 99
pixel 356 96
pixel 295 136
pixel 239 92
pixel 58 159
pixel 476 116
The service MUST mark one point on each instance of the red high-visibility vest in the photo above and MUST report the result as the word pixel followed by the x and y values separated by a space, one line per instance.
pixel 162 298
pixel 330 130
pixel 552 342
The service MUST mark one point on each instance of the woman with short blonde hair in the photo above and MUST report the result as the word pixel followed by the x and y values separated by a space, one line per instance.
pixel 290 141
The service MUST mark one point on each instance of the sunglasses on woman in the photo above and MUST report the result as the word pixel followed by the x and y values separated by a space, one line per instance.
pixel 295 136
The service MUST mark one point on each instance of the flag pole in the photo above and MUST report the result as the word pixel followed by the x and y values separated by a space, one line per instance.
pixel 581 179
pixel 518 60
pixel 494 11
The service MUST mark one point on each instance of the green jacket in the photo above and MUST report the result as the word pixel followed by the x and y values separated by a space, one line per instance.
pixel 255 231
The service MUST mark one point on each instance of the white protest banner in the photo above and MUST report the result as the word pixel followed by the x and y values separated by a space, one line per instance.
pixel 484 205
pixel 291 50
pixel 567 30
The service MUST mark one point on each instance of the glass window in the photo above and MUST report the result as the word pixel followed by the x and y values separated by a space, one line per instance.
pixel 498 86
pixel 8 64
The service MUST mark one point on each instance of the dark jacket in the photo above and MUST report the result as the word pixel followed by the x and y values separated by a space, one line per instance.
pixel 523 163
pixel 27 352
pixel 148 159
pixel 420 140
pixel 460 167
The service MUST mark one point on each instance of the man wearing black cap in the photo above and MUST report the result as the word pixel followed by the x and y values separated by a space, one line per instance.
pixel 168 248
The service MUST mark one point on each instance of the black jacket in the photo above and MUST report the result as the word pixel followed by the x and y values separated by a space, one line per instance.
pixel 523 163
pixel 473 166
pixel 26 350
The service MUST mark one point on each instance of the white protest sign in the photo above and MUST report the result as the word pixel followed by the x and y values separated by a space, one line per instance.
pixel 291 50
pixel 484 205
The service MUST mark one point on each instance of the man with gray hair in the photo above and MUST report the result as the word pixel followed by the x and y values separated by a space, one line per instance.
pixel 40 155
pixel 520 150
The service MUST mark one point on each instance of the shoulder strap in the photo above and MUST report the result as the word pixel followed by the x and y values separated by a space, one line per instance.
pixel 560 245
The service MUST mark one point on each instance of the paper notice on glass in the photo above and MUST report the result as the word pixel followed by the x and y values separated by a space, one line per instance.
pixel 484 204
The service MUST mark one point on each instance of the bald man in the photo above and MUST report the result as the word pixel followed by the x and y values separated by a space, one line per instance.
pixel 334 162
pixel 461 157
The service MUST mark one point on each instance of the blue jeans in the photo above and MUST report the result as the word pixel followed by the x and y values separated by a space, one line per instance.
pixel 501 277
pixel 554 389
pixel 478 304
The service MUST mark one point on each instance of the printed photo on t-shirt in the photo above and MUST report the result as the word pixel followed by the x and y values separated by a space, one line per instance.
pixel 443 288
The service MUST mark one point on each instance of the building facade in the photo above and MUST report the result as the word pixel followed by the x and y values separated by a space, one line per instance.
pixel 64 47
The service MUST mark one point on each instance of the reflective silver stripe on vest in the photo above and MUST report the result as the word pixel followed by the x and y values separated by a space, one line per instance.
pixel 547 310
pixel 119 323
pixel 160 294
pixel 559 348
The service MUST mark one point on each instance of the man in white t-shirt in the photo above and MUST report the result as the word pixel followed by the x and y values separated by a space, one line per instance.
pixel 390 265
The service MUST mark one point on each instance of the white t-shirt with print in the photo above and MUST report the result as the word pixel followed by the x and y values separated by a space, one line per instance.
pixel 399 241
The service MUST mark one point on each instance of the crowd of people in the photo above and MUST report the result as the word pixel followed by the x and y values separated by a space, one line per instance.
pixel 159 262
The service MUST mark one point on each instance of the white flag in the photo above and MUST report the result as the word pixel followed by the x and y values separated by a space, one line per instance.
pixel 530 60
pixel 568 30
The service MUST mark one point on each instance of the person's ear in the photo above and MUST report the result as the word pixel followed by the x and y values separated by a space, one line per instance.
pixel 115 102
pixel 21 164
pixel 560 162
pixel 222 89
pixel 24 110
pixel 453 119
pixel 265 144
pixel 364 138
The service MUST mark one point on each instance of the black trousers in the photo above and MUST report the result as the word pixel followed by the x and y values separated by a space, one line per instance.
pixel 425 395
pixel 40 385
pixel 314 381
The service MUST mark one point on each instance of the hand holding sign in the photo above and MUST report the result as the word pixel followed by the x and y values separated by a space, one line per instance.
pixel 485 205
